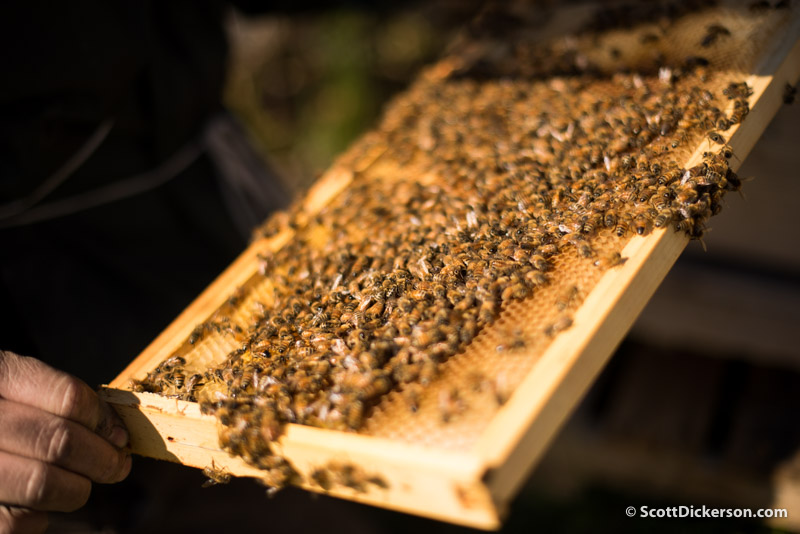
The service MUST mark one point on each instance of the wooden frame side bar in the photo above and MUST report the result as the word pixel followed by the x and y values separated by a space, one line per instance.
pixel 524 427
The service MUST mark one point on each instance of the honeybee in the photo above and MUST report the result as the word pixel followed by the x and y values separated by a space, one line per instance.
pixel 172 362
pixel 411 396
pixel 733 182
pixel 642 224
pixel 646 194
pixel 215 476
pixel 608 261
pixel 628 162
pixel 562 323
pixel 738 90
pixel 566 298
pixel 712 177
pixel 192 385
pixel 610 218
pixel 354 414
pixel 713 32
pixel 663 218
pixel 686 195
pixel 740 111
pixel 377 387
pixel 548 249
pixel 487 311
pixel 198 333
pixel 501 388
pixel 621 228
pixel 353 477
pixel 723 123
pixel 322 478
pixel 539 262
pixel 450 404
pixel 513 341
pixel 514 291
pixel 592 223
pixel 177 378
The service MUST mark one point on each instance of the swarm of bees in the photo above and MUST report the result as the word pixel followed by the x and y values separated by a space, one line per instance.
pixel 402 271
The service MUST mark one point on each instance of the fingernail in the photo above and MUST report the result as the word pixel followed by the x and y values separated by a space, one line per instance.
pixel 108 420
pixel 118 437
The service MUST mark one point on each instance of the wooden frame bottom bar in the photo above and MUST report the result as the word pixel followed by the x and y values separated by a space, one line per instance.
pixel 440 485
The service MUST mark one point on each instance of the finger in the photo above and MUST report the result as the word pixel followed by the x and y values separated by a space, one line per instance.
pixel 22 520
pixel 111 428
pixel 41 486
pixel 36 434
pixel 32 382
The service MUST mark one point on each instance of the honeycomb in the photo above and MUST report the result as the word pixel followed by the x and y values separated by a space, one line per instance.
pixel 489 369
pixel 508 178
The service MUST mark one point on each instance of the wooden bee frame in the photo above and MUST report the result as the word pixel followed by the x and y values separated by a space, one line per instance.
pixel 474 487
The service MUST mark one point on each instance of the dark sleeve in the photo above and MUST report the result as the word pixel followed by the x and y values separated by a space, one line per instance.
pixel 66 66
pixel 156 67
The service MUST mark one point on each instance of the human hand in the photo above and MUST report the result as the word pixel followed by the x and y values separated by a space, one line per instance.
pixel 56 438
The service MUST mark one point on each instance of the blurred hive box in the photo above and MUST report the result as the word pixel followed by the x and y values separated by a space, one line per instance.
pixel 467 469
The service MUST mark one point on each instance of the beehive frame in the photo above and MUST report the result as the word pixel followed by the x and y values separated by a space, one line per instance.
pixel 470 487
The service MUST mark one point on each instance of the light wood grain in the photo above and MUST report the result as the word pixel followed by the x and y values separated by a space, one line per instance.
pixel 441 485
